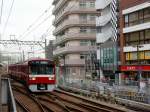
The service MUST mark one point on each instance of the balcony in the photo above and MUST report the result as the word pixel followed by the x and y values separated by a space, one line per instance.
pixel 73 49
pixel 58 5
pixel 73 23
pixel 103 20
pixel 73 10
pixel 75 36
pixel 101 4
pixel 74 62
pixel 104 36
pixel 138 27
pixel 133 49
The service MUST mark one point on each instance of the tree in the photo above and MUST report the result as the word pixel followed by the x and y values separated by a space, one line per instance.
pixel 56 60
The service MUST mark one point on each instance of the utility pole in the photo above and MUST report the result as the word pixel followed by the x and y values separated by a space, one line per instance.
pixel 139 67
pixel 45 47
pixel 23 55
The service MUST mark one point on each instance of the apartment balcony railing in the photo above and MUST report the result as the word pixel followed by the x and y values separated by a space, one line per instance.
pixel 58 5
pixel 103 20
pixel 73 22
pixel 101 4
pixel 69 10
pixel 73 62
pixel 104 36
pixel 72 49
pixel 73 36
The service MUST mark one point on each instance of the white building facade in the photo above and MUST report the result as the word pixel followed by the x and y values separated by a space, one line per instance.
pixel 75 32
pixel 107 36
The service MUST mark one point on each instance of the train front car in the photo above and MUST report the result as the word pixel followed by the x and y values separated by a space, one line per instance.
pixel 41 76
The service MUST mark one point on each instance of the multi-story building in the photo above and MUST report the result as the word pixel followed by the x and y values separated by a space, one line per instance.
pixel 135 39
pixel 75 33
pixel 107 36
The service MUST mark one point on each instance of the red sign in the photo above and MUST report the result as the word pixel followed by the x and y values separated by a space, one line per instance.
pixel 135 68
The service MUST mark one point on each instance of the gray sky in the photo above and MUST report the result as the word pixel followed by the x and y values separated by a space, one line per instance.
pixel 25 13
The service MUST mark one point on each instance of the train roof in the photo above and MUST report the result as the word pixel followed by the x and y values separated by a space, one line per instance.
pixel 38 59
pixel 31 59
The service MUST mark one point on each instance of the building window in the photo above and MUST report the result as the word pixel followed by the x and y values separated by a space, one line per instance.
pixel 139 37
pixel 133 18
pixel 141 16
pixel 138 17
pixel 83 17
pixel 92 30
pixel 126 20
pixel 134 36
pixel 83 29
pixel 147 34
pixel 92 17
pixel 147 15
pixel 93 43
pixel 147 55
pixel 84 42
pixel 83 4
pixel 92 4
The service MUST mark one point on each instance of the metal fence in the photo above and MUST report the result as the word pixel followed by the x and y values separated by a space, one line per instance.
pixel 131 90
pixel 7 95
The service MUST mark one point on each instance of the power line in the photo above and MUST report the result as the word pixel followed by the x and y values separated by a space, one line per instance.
pixel 31 25
pixel 37 26
pixel 8 17
pixel 47 31
pixel 1 12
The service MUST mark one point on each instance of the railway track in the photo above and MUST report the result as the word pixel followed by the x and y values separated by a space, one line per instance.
pixel 83 103
pixel 27 102
pixel 56 101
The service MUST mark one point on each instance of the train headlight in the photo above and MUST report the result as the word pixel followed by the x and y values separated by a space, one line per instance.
pixel 51 78
pixel 32 78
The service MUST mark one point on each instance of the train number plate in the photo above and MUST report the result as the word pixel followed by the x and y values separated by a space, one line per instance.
pixel 42 86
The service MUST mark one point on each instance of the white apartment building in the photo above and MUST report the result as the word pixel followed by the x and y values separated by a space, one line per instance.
pixel 75 32
pixel 106 37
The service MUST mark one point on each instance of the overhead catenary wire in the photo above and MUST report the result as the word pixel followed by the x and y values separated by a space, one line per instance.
pixel 36 26
pixel 47 31
pixel 28 32
pixel 31 25
pixel 5 26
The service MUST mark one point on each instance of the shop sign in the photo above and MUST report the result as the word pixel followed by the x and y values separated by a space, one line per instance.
pixel 135 68
pixel 131 67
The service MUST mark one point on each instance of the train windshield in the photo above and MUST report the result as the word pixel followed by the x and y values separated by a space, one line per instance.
pixel 41 68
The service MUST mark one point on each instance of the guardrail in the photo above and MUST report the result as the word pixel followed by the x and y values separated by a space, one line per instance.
pixel 130 91
pixel 7 95
pixel 108 98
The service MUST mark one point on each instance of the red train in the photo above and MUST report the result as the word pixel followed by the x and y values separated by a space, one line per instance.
pixel 38 74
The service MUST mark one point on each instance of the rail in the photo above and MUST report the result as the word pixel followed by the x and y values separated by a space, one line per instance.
pixel 7 95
